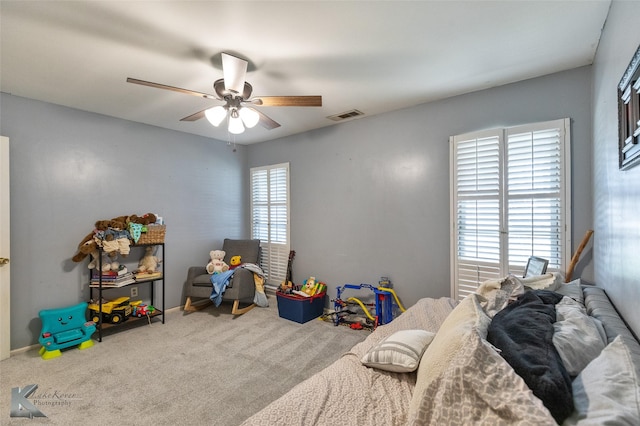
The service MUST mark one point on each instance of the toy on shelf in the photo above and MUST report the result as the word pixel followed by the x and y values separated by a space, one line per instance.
pixel 384 308
pixel 115 236
pixel 115 311
pixel 140 309
pixel 63 328
pixel 149 262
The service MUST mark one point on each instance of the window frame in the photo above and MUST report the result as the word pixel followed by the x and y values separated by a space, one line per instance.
pixel 500 268
pixel 274 253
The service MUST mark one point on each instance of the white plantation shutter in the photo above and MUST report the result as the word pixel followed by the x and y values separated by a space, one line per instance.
pixel 476 186
pixel 535 195
pixel 270 218
pixel 509 200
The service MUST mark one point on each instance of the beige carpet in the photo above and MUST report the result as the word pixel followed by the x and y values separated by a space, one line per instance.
pixel 202 368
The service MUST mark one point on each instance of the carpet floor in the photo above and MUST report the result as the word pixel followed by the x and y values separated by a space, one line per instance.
pixel 203 368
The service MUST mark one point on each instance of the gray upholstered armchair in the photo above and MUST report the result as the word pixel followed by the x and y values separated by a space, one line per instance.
pixel 241 288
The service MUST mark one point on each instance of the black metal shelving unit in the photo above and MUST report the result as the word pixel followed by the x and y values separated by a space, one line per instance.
pixel 100 289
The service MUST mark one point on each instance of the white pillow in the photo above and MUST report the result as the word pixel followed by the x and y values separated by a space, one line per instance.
pixel 578 338
pixel 400 352
pixel 607 391
pixel 549 281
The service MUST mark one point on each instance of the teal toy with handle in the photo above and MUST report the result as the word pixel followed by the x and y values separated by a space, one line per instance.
pixel 63 328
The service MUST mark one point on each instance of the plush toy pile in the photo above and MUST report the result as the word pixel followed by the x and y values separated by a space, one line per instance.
pixel 115 237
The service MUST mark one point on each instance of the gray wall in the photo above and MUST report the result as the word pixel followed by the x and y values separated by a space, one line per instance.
pixel 70 168
pixel 616 193
pixel 370 197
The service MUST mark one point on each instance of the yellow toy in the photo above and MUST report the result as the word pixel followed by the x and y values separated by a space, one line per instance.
pixel 309 285
pixel 235 261
pixel 114 311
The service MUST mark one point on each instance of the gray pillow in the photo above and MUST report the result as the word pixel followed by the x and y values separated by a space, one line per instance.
pixel 573 290
pixel 608 390
pixel 577 337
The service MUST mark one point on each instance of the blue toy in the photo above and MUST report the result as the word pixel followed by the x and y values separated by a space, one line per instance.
pixel 385 309
pixel 65 327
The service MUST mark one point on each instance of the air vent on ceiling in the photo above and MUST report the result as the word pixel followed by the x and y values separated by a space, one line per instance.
pixel 346 115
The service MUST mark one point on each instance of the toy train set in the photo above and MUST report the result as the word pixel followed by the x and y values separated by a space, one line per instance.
pixel 383 310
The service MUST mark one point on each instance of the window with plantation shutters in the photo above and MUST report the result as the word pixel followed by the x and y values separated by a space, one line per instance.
pixel 510 199
pixel 270 218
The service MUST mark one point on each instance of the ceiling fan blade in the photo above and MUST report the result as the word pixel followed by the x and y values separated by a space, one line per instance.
pixel 175 89
pixel 196 116
pixel 235 72
pixel 299 101
pixel 266 121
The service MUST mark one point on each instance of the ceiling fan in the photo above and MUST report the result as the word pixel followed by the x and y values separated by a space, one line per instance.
pixel 236 94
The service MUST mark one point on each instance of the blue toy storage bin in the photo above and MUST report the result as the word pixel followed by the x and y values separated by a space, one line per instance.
pixel 299 308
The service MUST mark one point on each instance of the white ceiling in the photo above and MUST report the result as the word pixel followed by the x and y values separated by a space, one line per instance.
pixel 375 56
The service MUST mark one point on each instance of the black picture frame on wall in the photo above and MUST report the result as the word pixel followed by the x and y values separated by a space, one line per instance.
pixel 629 115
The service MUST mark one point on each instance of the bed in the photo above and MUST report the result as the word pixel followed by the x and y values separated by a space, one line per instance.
pixel 518 351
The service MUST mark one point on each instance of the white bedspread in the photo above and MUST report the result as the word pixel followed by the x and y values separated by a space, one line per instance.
pixel 348 393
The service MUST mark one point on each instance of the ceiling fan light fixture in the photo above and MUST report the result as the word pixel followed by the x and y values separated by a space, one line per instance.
pixel 235 122
pixel 249 117
pixel 235 91
pixel 215 115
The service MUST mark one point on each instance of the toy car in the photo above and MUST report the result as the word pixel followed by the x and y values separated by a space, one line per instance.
pixel 115 311
pixel 141 309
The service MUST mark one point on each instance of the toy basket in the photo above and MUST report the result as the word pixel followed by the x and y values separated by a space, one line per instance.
pixel 154 235
pixel 298 308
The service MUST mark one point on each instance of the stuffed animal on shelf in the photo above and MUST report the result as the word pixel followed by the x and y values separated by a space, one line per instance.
pixel 217 264
pixel 234 262
pixel 108 263
pixel 106 238
pixel 87 246
pixel 145 219
pixel 118 228
pixel 149 263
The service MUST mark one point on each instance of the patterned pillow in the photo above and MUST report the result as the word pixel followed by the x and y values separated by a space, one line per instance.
pixel 449 339
pixel 478 387
pixel 400 352
pixel 607 391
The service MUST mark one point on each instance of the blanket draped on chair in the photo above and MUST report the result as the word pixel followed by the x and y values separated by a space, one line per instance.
pixel 221 280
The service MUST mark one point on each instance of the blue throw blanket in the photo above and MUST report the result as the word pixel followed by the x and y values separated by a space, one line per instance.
pixel 220 282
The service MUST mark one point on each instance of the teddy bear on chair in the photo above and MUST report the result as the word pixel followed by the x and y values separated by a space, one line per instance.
pixel 217 264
